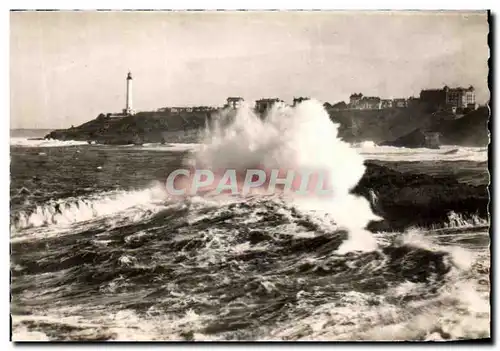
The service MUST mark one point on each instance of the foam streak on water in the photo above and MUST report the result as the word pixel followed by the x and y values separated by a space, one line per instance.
pixel 26 142
pixel 371 151
pixel 72 210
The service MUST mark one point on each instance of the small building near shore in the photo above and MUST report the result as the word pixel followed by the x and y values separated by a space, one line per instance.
pixel 432 140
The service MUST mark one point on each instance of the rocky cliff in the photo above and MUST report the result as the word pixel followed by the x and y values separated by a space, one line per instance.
pixel 406 199
pixel 406 127
pixel 470 129
pixel 143 127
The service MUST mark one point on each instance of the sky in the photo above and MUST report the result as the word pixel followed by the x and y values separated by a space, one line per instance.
pixel 67 67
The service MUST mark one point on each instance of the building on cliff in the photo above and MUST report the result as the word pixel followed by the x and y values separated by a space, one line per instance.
pixel 401 103
pixel 354 100
pixel 460 97
pixel 369 103
pixel 386 103
pixel 453 99
pixel 176 110
pixel 234 102
pixel 360 102
pixel 264 105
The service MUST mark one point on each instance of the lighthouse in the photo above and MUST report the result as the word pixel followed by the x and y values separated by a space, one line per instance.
pixel 128 105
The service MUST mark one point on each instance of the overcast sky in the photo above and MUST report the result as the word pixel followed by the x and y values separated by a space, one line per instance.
pixel 67 67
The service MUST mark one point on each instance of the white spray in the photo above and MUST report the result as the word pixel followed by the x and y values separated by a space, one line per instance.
pixel 301 137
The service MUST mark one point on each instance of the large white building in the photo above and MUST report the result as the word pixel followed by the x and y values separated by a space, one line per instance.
pixel 460 97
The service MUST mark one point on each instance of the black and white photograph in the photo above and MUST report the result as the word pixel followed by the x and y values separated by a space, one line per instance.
pixel 250 175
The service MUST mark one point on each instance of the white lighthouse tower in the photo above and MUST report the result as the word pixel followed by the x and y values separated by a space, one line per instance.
pixel 128 106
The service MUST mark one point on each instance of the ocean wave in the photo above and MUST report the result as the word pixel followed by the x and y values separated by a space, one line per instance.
pixel 131 265
pixel 67 211
pixel 370 151
pixel 195 272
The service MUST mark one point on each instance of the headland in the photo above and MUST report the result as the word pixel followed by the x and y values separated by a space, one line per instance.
pixel 439 116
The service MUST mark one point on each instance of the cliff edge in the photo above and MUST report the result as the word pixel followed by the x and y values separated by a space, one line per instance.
pixel 143 127
pixel 403 127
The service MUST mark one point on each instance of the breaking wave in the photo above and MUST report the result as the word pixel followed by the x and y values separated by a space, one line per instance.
pixel 293 138
pixel 67 211
pixel 458 220
pixel 138 265
pixel 254 269
pixel 26 142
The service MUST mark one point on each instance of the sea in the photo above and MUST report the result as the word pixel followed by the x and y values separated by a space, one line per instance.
pixel 99 250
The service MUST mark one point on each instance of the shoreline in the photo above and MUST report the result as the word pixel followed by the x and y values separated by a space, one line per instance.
pixel 409 127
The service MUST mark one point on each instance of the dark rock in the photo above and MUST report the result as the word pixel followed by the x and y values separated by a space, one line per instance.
pixel 416 139
pixel 416 264
pixel 410 199
pixel 469 130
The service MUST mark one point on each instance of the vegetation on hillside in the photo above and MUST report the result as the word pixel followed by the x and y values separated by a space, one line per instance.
pixel 143 127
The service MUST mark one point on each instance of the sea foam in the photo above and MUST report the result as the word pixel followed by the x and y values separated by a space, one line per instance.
pixel 300 137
